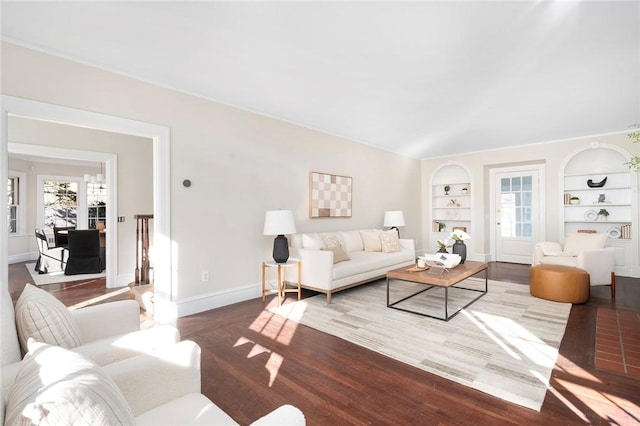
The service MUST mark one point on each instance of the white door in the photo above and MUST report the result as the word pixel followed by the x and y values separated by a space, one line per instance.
pixel 517 218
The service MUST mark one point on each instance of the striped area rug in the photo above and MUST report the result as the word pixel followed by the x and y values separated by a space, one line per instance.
pixel 505 344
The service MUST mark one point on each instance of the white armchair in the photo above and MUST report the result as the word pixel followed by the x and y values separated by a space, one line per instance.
pixel 59 386
pixel 104 333
pixel 584 251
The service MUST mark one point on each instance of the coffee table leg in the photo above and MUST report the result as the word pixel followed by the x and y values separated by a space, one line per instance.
pixel 387 292
pixel 446 303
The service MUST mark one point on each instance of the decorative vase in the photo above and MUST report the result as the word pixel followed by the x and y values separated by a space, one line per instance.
pixel 442 250
pixel 459 247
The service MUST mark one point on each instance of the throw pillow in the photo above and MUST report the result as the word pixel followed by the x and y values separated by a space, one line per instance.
pixel 45 318
pixel 338 254
pixel 576 242
pixel 390 241
pixel 371 240
pixel 331 240
pixel 55 386
pixel 352 241
pixel 312 241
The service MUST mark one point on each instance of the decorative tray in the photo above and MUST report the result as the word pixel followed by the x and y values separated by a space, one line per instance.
pixel 416 269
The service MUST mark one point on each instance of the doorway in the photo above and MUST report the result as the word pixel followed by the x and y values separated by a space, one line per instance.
pixel 164 309
pixel 517 206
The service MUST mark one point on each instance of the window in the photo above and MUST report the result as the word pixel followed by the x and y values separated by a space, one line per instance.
pixel 60 203
pixel 96 204
pixel 13 203
pixel 516 194
pixel 16 199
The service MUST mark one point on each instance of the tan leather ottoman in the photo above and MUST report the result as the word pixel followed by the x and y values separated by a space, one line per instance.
pixel 559 283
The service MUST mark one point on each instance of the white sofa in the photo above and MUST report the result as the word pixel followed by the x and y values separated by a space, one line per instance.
pixel 585 251
pixel 105 333
pixel 59 386
pixel 370 253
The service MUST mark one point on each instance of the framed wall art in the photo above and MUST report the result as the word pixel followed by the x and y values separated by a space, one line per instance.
pixel 329 195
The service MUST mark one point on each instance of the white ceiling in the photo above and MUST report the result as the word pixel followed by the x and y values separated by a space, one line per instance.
pixel 423 79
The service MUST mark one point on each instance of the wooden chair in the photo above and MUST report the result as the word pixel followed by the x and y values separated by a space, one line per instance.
pixel 50 259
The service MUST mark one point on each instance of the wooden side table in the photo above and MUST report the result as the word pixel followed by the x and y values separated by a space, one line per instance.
pixel 281 284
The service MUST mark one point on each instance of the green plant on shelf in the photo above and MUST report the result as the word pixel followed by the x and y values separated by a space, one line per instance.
pixel 603 213
pixel 634 163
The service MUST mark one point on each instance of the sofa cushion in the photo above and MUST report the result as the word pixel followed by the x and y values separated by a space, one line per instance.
pixel 57 386
pixel 45 318
pixel 390 241
pixel 363 261
pixel 332 240
pixel 352 241
pixel 371 239
pixel 338 254
pixel 312 241
pixel 577 242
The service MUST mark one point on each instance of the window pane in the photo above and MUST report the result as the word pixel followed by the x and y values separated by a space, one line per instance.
pixel 505 185
pixel 515 184
pixel 60 203
pixel 13 201
pixel 97 204
pixel 527 183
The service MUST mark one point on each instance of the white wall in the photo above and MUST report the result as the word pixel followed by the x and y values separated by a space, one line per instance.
pixel 135 193
pixel 240 164
pixel 552 154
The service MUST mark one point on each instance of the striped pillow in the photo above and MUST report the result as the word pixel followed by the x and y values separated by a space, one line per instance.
pixel 55 386
pixel 45 318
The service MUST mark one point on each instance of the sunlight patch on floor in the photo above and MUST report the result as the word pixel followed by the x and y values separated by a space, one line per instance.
pixel 99 299
pixel 514 339
pixel 490 334
pixel 272 365
pixel 275 326
pixel 624 412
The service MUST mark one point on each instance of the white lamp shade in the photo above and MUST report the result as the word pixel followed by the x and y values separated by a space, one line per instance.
pixel 393 218
pixel 279 222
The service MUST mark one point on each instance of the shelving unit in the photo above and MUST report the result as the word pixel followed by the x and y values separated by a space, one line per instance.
pixel 451 206
pixel 614 197
pixel 618 196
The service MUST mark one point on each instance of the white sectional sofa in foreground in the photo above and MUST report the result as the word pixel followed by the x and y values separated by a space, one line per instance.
pixel 93 366
pixel 334 261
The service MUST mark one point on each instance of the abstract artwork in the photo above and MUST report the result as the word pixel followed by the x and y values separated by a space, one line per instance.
pixel 329 195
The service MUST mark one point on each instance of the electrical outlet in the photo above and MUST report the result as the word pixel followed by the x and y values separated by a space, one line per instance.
pixel 205 276
pixel 120 219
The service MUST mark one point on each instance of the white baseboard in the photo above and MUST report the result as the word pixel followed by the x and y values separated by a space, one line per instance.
pixel 23 257
pixel 209 301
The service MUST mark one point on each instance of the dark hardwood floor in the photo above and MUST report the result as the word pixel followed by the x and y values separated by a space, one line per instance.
pixel 253 361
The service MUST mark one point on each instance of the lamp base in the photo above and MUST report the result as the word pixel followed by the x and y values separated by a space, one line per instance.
pixel 280 249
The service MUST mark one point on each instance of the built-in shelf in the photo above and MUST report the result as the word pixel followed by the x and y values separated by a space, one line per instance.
pixel 617 197
pixel 451 206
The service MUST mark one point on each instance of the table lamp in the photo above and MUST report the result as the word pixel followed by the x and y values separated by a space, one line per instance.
pixel 394 219
pixel 279 222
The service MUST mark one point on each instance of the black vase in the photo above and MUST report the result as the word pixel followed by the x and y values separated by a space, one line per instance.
pixel 459 247
pixel 442 250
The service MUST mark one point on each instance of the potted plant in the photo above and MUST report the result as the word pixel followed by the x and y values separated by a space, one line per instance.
pixel 443 245
pixel 603 213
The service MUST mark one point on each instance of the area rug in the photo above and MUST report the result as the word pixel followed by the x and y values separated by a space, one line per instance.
pixel 505 344
pixel 59 277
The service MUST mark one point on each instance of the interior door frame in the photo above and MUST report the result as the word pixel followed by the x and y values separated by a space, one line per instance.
pixel 164 308
pixel 540 213
pixel 111 174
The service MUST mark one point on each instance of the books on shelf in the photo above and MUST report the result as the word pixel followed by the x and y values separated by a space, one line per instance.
pixel 625 232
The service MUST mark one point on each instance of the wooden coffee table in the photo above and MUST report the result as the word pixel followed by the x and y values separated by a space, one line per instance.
pixel 437 277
